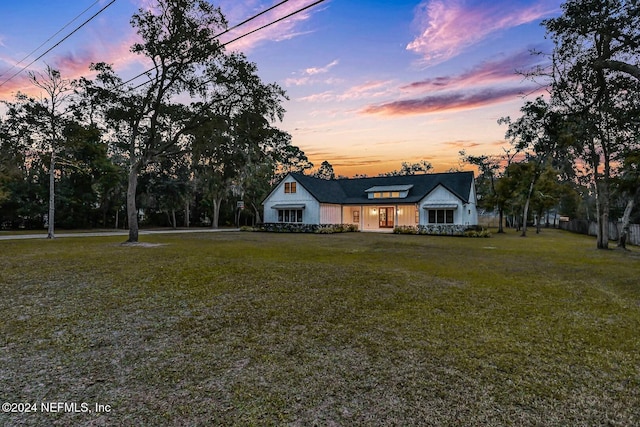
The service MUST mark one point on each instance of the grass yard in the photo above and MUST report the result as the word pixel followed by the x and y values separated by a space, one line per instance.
pixel 345 329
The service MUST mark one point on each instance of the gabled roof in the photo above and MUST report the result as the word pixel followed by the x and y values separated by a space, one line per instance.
pixel 354 190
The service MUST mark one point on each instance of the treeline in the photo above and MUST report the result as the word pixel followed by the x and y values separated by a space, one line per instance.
pixel 198 135
pixel 180 148
pixel 580 145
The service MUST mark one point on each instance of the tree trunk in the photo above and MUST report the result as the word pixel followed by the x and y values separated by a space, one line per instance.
pixel 186 214
pixel 539 222
pixel 132 212
pixel 52 197
pixel 626 217
pixel 500 220
pixel 525 212
pixel 216 212
pixel 174 224
pixel 257 211
pixel 602 207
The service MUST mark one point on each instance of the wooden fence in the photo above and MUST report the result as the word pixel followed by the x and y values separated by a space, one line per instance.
pixel 591 227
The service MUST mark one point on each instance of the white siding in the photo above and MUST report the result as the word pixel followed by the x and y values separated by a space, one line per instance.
pixel 472 208
pixel 330 214
pixel 348 215
pixel 464 214
pixel 311 212
pixel 316 213
pixel 370 218
pixel 406 215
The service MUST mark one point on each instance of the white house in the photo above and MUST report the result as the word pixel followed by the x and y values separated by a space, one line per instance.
pixel 440 202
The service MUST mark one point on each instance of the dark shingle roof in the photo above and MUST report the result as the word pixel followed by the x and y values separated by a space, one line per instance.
pixel 353 190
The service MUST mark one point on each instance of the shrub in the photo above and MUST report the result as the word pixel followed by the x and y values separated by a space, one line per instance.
pixel 277 227
pixel 477 231
pixel 405 229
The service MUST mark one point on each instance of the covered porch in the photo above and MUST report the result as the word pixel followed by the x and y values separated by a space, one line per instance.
pixel 381 217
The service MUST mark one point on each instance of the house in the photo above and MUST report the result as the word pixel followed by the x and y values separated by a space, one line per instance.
pixel 441 203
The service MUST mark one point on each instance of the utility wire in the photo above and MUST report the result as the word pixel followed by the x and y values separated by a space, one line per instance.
pixel 215 37
pixel 271 23
pixel 251 19
pixel 49 39
pixel 237 38
pixel 57 44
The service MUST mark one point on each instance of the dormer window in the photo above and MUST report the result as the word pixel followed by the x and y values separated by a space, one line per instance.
pixel 289 187
pixel 388 191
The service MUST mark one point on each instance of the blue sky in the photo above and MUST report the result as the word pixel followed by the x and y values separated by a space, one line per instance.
pixel 371 84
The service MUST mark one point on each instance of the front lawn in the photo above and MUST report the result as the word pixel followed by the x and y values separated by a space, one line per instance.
pixel 303 329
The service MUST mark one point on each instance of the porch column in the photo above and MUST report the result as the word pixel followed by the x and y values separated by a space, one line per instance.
pixel 396 216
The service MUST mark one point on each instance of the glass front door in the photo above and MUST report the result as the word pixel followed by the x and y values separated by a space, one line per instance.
pixel 386 217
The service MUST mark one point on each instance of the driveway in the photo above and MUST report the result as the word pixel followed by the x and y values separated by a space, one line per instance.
pixel 112 233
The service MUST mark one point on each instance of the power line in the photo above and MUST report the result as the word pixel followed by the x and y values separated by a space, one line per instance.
pixel 237 38
pixel 57 44
pixel 49 39
pixel 251 19
pixel 215 37
pixel 277 20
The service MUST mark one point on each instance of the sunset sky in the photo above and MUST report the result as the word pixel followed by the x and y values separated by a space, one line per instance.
pixel 371 84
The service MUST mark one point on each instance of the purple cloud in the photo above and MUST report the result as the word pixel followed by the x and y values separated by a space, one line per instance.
pixel 449 101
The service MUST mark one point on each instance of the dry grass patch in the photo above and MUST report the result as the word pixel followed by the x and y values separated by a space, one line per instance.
pixel 343 329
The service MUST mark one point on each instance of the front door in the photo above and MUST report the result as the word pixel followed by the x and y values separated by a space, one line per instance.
pixel 386 217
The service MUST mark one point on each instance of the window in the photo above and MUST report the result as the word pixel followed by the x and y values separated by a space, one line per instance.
pixel 289 215
pixel 386 194
pixel 440 216
pixel 388 191
pixel 289 187
pixel 356 216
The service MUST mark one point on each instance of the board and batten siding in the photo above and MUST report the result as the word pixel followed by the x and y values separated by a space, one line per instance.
pixel 441 196
pixel 330 214
pixel 311 212
pixel 472 211
pixel 406 215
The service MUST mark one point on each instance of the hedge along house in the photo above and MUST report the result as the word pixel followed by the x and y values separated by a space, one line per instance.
pixel 443 203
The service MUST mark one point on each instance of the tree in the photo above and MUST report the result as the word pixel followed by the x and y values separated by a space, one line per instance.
pixel 46 117
pixel 10 161
pixel 85 174
pixel 595 81
pixel 546 194
pixel 491 192
pixel 629 186
pixel 237 134
pixel 607 31
pixel 290 159
pixel 179 39
pixel 420 167
pixel 325 171
pixel 539 135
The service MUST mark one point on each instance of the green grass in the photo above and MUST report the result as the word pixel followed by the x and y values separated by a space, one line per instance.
pixel 343 329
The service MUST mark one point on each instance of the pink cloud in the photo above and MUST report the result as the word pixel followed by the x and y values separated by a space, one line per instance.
pixel 450 101
pixel 321 70
pixel 449 27
pixel 371 89
pixel 459 145
pixel 311 76
pixel 493 71
pixel 74 62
